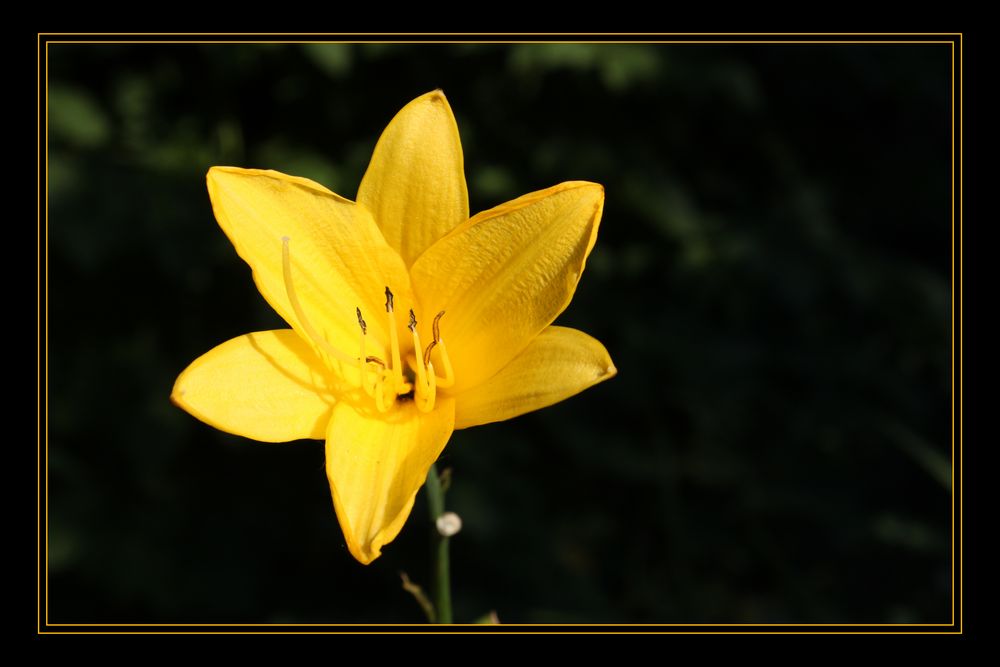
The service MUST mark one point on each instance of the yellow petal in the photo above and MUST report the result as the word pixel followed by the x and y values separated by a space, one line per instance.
pixel 339 258
pixel 268 386
pixel 376 463
pixel 559 363
pixel 505 275
pixel 415 183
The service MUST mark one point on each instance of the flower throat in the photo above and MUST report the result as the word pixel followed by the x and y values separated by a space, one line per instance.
pixel 383 381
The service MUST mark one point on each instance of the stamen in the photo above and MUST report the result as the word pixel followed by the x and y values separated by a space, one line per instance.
pixel 286 269
pixel 436 326
pixel 362 364
pixel 449 373
pixel 397 364
pixel 379 393
pixel 436 329
pixel 449 376
pixel 422 399
pixel 388 300
pixel 431 389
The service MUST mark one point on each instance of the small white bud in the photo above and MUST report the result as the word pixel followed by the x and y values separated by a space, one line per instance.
pixel 449 524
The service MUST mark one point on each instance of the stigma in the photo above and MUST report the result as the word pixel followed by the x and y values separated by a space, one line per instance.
pixel 383 382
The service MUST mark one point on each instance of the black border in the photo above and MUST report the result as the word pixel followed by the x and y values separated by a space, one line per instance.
pixel 805 39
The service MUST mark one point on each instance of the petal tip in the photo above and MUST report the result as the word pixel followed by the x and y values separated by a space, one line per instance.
pixel 366 557
pixel 211 175
pixel 219 171
pixel 365 551
pixel 435 98
pixel 219 178
pixel 175 398
pixel 177 392
pixel 581 188
pixel 597 189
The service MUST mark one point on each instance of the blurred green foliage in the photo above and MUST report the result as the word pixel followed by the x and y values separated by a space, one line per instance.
pixel 771 278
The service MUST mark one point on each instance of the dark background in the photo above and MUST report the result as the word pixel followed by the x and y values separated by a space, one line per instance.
pixel 771 278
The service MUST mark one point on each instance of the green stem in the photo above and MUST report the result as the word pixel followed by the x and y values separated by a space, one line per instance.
pixel 439 549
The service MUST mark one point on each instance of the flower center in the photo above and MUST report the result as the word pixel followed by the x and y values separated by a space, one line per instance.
pixel 383 381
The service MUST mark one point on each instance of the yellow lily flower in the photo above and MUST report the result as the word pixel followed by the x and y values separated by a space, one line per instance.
pixel 408 318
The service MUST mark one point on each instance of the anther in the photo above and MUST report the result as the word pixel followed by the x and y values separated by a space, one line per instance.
pixel 423 392
pixel 449 374
pixel 436 329
pixel 362 323
pixel 388 299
